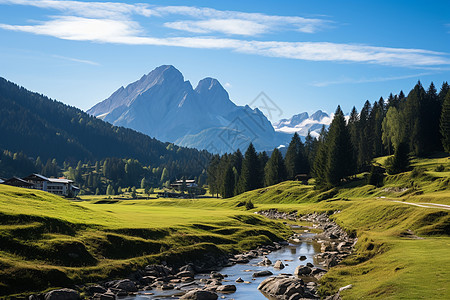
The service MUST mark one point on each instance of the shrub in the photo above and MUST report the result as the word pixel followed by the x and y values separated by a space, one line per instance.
pixel 440 168
pixel 249 205
pixel 376 176
pixel 400 161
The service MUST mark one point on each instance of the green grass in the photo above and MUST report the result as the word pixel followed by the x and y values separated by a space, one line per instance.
pixel 57 242
pixel 47 241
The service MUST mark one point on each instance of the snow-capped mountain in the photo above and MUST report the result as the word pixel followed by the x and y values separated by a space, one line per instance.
pixel 163 105
pixel 302 123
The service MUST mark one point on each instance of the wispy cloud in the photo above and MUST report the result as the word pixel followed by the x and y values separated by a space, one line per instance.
pixel 368 80
pixel 83 61
pixel 113 23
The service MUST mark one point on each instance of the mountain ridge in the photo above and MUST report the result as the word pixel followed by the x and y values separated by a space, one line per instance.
pixel 163 105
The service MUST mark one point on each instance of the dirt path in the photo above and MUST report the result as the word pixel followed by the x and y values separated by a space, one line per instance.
pixel 426 205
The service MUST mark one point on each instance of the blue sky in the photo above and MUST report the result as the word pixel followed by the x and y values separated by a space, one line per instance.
pixel 305 55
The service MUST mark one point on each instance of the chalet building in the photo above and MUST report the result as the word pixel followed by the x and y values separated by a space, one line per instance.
pixel 18 182
pixel 177 185
pixel 57 186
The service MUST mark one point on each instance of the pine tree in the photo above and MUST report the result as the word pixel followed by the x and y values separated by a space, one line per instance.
pixel 353 123
pixel 228 183
pixel 275 170
pixel 296 162
pixel 321 159
pixel 412 116
pixel 400 161
pixel 340 162
pixel 109 190
pixel 445 123
pixel 251 173
pixel 364 137
pixel 310 148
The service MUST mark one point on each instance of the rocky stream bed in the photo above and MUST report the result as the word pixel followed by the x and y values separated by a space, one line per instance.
pixel 283 270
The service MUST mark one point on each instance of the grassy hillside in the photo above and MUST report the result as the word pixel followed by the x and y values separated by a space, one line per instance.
pixel 47 241
pixel 402 250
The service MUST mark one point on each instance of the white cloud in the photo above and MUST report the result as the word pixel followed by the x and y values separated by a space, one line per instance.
pixel 107 22
pixel 227 85
pixel 83 61
pixel 227 26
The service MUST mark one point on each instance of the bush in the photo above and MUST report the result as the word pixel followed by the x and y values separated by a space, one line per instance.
pixel 417 172
pixel 399 162
pixel 249 205
pixel 376 176
pixel 440 168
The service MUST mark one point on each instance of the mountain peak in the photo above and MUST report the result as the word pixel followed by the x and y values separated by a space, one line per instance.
pixel 319 115
pixel 214 95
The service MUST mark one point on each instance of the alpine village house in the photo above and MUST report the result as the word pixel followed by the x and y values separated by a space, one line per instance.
pixel 58 186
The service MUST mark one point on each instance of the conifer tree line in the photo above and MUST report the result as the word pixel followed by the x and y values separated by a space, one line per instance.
pixel 233 174
pixel 417 124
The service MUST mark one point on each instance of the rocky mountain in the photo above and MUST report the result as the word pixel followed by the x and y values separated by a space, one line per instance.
pixel 302 123
pixel 163 105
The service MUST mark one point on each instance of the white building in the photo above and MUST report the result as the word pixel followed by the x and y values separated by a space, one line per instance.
pixel 57 186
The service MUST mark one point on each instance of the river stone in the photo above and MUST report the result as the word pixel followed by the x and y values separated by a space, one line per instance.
pixel 105 296
pixel 185 274
pixel 265 262
pixel 200 295
pixel 278 265
pixel 96 289
pixel 62 294
pixel 239 280
pixel 228 288
pixel 302 270
pixel 302 257
pixel 216 275
pixel 262 273
pixel 126 285
pixel 310 265
pixel 282 287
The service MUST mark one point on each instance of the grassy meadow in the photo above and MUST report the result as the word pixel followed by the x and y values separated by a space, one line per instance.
pixel 402 250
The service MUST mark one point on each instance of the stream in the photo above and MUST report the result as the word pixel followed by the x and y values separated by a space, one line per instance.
pixel 248 289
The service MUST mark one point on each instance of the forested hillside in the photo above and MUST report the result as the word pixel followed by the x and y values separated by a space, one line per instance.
pixel 414 125
pixel 41 134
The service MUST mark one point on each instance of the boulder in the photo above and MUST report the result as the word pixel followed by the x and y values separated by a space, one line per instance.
pixel 262 273
pixel 302 270
pixel 227 288
pixel 126 285
pixel 278 265
pixel 62 294
pixel 216 275
pixel 185 274
pixel 105 296
pixel 199 295
pixel 265 262
pixel 95 289
pixel 283 287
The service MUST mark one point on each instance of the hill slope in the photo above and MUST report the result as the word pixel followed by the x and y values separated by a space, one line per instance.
pixel 39 126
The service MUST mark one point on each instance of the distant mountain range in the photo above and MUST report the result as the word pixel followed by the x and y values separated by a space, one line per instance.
pixel 302 123
pixel 163 105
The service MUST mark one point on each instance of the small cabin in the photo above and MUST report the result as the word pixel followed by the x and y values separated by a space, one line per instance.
pixel 303 178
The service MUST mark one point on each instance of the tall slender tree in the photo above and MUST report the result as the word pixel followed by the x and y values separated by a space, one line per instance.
pixel 296 162
pixel 445 123
pixel 340 162
pixel 251 174
pixel 275 170
pixel 228 183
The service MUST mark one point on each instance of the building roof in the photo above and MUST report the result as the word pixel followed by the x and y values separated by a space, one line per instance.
pixel 60 180
pixel 36 177
pixel 15 181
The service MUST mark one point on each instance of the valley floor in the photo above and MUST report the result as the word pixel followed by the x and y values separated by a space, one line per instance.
pixel 402 249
